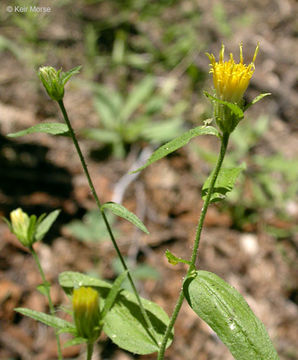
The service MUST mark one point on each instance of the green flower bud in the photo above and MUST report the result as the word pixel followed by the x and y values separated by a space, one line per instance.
pixel 20 225
pixel 54 81
pixel 85 303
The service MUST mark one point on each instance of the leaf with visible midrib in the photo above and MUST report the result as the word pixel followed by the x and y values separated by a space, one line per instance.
pixel 177 143
pixel 224 183
pixel 224 309
pixel 45 225
pixel 46 319
pixel 120 210
pixel 48 128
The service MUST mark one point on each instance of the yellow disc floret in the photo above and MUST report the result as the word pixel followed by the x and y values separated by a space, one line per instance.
pixel 230 79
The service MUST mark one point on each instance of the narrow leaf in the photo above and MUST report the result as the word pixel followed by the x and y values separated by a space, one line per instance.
pixel 41 217
pixel 116 287
pixel 75 341
pixel 255 100
pixel 121 211
pixel 102 135
pixel 228 314
pixel 45 224
pixel 70 330
pixel 174 260
pixel 137 97
pixel 233 107
pixel 44 288
pixel 31 227
pixel 46 319
pixel 108 104
pixel 48 128
pixel 7 222
pixel 224 183
pixel 177 143
pixel 67 75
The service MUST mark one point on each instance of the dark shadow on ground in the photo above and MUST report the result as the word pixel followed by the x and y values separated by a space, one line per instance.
pixel 24 172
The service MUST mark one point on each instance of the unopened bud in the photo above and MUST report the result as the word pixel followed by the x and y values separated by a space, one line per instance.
pixel 20 223
pixel 52 81
pixel 85 302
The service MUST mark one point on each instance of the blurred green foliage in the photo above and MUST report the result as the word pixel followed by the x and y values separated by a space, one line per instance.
pixel 131 119
pixel 140 272
pixel 91 228
pixel 268 182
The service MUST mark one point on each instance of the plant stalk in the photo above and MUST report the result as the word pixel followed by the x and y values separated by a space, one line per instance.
pixel 149 328
pixel 90 347
pixel 48 295
pixel 223 148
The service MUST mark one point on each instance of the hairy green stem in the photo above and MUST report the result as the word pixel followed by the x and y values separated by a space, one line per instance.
pixel 223 148
pixel 149 327
pixel 48 295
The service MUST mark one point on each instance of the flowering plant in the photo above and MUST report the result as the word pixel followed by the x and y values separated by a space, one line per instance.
pixel 133 323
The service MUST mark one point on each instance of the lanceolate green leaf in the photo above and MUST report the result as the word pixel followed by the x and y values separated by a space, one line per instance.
pixel 256 99
pixel 228 314
pixel 177 143
pixel 46 319
pixel 124 323
pixel 44 288
pixel 102 135
pixel 174 260
pixel 139 94
pixel 45 225
pixel 121 211
pixel 224 183
pixel 48 128
pixel 108 104
pixel 116 287
pixel 65 76
pixel 75 341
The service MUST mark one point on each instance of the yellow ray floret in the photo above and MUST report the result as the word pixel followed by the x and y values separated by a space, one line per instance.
pixel 230 79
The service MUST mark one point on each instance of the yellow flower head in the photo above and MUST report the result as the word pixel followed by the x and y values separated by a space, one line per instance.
pixel 230 79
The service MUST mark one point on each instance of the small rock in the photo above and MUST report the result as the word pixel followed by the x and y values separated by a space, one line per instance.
pixel 249 243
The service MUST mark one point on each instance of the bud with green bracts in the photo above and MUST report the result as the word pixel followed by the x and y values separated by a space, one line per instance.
pixel 21 226
pixel 86 313
pixel 54 81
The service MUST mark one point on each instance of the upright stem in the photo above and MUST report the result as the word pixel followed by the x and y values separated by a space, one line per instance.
pixel 223 148
pixel 149 327
pixel 48 295
pixel 89 350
